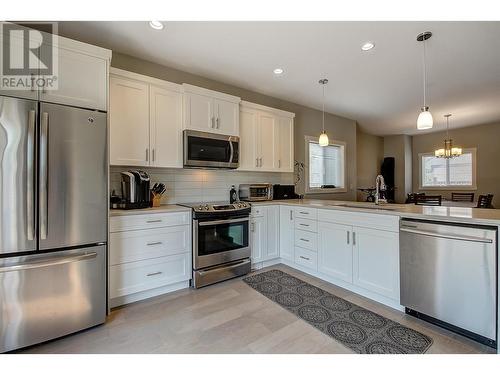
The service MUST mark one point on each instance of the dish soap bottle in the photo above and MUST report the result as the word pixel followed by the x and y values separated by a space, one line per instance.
pixel 233 196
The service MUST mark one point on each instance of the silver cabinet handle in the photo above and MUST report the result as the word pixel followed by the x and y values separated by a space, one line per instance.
pixel 256 162
pixel 348 236
pixel 147 154
pixel 261 162
pixel 154 155
pixel 303 213
pixel 354 238
pixel 30 183
pixel 48 263
pixel 212 122
pixel 154 221
pixel 291 214
pixel 304 257
pixel 279 163
pixel 154 273
pixel 44 154
pixel 303 239
pixel 154 243
pixel 217 122
pixel 32 82
pixel 304 225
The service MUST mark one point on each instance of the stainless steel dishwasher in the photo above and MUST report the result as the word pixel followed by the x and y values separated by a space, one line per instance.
pixel 449 276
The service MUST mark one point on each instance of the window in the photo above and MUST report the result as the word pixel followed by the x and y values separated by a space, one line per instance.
pixel 440 173
pixel 325 167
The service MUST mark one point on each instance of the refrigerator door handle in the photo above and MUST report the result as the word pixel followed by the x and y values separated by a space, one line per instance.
pixel 44 150
pixel 48 263
pixel 30 183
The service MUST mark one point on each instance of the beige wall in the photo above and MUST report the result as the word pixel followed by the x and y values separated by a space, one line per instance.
pixel 370 153
pixel 486 138
pixel 399 147
pixel 307 120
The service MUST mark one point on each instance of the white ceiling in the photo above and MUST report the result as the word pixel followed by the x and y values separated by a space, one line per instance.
pixel 381 89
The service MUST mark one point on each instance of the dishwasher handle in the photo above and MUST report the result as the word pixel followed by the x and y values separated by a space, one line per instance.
pixel 447 236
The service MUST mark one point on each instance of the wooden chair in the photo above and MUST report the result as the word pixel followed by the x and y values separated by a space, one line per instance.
pixel 462 197
pixel 428 200
pixel 484 201
pixel 412 197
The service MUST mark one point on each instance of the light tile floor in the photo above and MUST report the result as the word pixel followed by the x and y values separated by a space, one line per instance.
pixel 230 317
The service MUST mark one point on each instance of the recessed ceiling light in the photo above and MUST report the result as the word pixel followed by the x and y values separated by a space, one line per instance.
pixel 157 25
pixel 278 71
pixel 367 46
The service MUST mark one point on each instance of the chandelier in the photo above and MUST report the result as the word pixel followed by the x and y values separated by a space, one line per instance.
pixel 448 151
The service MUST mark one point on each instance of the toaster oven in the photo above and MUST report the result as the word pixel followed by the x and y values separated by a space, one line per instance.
pixel 256 192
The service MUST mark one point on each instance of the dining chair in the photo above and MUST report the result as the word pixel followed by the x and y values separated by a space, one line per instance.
pixel 428 200
pixel 412 197
pixel 485 201
pixel 462 197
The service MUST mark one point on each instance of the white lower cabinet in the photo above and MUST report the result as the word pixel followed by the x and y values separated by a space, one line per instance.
pixel 264 233
pixel 148 255
pixel 335 250
pixel 286 233
pixel 376 261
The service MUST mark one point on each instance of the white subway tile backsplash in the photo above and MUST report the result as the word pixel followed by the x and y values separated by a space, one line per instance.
pixel 199 185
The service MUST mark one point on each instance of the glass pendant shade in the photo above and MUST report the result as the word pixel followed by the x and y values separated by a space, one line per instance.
pixel 425 120
pixel 323 139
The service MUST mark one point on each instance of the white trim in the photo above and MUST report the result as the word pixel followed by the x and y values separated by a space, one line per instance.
pixel 309 190
pixel 145 79
pixel 134 297
pixel 187 88
pixel 471 150
pixel 260 107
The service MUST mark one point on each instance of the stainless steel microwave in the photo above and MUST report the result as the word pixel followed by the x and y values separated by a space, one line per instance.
pixel 209 150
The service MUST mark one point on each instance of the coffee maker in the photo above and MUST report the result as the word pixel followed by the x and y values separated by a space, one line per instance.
pixel 135 190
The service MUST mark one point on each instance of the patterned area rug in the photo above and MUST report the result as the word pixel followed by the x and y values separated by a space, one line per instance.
pixel 355 327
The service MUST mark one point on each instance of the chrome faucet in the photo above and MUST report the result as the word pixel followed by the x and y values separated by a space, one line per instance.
pixel 379 186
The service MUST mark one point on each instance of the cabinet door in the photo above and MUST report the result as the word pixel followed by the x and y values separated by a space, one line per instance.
pixel 376 261
pixel 227 118
pixel 286 233
pixel 335 250
pixel 81 80
pixel 258 238
pixel 248 140
pixel 199 112
pixel 165 127
pixel 129 122
pixel 266 142
pixel 15 45
pixel 273 227
pixel 284 143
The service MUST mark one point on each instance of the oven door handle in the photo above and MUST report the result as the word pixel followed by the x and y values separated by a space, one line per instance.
pixel 216 222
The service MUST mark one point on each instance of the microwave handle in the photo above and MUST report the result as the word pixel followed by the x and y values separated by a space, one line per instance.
pixel 232 151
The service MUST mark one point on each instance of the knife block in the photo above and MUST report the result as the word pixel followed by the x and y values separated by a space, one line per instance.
pixel 157 200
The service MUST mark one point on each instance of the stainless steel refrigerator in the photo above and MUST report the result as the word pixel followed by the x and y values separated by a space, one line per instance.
pixel 53 221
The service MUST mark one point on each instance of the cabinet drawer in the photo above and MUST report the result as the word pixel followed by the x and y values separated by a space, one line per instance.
pixel 306 224
pixel 307 240
pixel 306 258
pixel 131 246
pixel 258 211
pixel 306 213
pixel 148 221
pixel 129 278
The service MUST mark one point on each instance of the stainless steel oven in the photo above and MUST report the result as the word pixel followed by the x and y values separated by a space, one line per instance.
pixel 208 150
pixel 221 244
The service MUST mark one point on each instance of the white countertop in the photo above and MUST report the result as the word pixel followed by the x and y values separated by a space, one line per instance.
pixel 150 210
pixel 441 213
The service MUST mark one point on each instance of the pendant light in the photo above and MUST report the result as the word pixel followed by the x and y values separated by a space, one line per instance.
pixel 323 138
pixel 424 120
pixel 448 151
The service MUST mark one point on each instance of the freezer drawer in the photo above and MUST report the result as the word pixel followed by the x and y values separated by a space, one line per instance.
pixel 49 295
pixel 448 273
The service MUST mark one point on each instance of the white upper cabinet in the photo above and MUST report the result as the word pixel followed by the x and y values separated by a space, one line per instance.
pixel 165 127
pixel 81 80
pixel 266 138
pixel 128 122
pixel 145 121
pixel 210 111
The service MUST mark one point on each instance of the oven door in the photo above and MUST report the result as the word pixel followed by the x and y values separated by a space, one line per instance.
pixel 220 241
pixel 209 150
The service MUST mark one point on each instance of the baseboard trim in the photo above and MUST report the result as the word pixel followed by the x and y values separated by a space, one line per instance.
pixel 124 300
